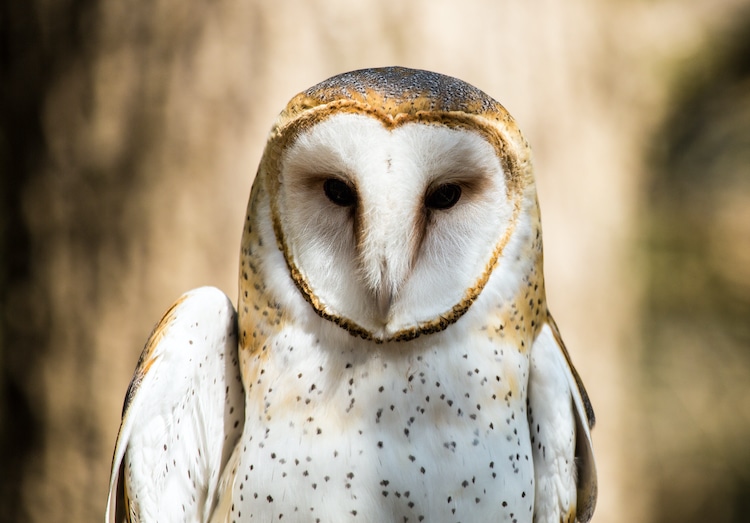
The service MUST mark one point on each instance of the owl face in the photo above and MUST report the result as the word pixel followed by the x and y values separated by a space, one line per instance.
pixel 389 227
pixel 391 219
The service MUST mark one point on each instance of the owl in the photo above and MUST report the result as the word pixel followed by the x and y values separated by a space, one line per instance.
pixel 392 357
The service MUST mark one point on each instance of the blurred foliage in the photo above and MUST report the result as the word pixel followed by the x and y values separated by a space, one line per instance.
pixel 697 314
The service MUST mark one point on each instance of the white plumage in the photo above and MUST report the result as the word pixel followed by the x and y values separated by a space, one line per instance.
pixel 397 359
pixel 183 413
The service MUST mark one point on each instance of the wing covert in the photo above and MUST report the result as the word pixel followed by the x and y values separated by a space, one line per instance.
pixel 183 413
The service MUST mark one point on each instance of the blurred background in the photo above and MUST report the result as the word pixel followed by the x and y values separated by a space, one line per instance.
pixel 131 132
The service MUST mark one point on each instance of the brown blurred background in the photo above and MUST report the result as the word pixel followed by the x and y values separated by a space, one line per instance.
pixel 131 132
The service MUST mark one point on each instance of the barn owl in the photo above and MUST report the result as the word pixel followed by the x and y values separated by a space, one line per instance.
pixel 392 357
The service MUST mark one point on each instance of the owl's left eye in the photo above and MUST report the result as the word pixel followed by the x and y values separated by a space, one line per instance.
pixel 339 192
pixel 444 197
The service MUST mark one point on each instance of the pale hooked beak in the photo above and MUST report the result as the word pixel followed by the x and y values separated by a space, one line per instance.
pixel 386 257
pixel 384 293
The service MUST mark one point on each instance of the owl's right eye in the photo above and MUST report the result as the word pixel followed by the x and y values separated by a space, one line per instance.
pixel 339 192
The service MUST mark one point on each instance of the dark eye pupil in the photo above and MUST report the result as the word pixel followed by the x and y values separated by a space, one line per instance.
pixel 339 192
pixel 444 197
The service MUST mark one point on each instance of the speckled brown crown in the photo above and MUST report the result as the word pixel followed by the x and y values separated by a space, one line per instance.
pixel 398 90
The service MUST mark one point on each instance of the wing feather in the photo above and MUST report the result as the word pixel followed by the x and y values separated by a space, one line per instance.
pixel 183 414
pixel 560 418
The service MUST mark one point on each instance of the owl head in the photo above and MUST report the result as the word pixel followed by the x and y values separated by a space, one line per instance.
pixel 396 197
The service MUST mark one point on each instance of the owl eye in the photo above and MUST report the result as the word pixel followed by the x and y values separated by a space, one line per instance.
pixel 339 192
pixel 444 197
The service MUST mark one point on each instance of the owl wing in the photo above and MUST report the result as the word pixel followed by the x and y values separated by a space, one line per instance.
pixel 560 418
pixel 183 414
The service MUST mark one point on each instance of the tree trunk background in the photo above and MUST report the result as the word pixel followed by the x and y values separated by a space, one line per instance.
pixel 130 137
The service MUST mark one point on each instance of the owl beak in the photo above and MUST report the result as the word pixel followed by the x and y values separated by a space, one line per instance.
pixel 384 307
pixel 384 293
pixel 386 262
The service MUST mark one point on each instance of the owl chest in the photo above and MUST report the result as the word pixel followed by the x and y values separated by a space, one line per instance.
pixel 428 436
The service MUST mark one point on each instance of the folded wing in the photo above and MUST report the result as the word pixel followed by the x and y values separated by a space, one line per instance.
pixel 183 414
pixel 560 419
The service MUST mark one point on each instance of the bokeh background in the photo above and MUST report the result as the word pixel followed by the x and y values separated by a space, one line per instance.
pixel 130 136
